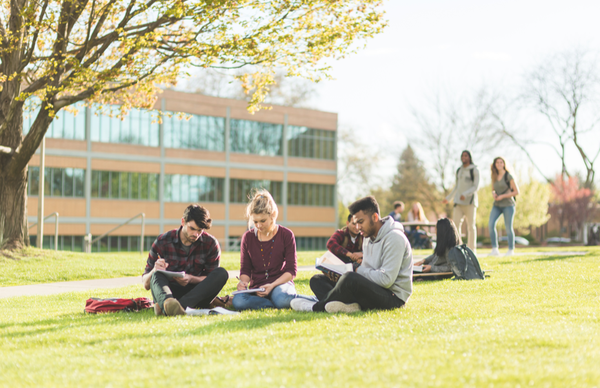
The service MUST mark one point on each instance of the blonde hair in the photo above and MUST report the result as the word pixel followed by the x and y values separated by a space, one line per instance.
pixel 261 202
pixel 421 214
pixel 495 170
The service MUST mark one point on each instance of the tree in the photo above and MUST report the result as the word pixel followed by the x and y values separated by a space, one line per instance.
pixel 61 52
pixel 532 204
pixel 570 203
pixel 564 89
pixel 448 125
pixel 410 184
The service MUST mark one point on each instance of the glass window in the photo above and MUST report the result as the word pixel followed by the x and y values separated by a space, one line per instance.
pixel 58 182
pixel 242 189
pixel 310 194
pixel 306 142
pixel 199 132
pixel 68 182
pixel 137 127
pixel 254 137
pixel 193 188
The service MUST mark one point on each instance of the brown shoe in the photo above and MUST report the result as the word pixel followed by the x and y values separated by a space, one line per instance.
pixel 225 302
pixel 157 309
pixel 172 307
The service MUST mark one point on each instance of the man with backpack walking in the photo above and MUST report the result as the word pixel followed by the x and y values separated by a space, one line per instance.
pixel 464 195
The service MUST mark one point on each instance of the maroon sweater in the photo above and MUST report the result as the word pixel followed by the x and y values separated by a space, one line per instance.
pixel 278 256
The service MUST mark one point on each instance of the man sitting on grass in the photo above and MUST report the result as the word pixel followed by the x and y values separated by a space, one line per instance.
pixel 384 280
pixel 191 250
pixel 346 244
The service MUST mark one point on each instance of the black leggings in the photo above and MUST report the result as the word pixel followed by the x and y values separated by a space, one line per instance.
pixel 193 295
pixel 355 288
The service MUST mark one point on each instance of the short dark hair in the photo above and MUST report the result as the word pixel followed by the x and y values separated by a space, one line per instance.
pixel 397 204
pixel 447 236
pixel 470 156
pixel 199 214
pixel 349 217
pixel 368 205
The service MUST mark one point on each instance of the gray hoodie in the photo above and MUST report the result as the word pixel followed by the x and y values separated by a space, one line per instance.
pixel 387 260
pixel 465 186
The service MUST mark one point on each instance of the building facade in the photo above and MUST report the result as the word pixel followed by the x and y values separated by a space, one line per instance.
pixel 101 170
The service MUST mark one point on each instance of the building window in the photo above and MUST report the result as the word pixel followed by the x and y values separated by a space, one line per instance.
pixel 254 137
pixel 193 188
pixel 124 185
pixel 306 142
pixel 311 243
pixel 310 194
pixel 58 182
pixel 138 127
pixel 66 125
pixel 197 133
pixel 241 189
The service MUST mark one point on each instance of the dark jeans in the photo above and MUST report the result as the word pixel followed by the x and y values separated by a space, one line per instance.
pixel 193 295
pixel 321 286
pixel 355 288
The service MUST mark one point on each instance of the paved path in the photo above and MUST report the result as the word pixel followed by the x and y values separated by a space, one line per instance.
pixel 83 285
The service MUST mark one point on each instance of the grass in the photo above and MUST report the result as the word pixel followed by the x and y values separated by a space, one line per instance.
pixel 535 322
pixel 34 266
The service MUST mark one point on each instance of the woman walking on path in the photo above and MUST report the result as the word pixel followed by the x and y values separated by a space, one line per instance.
pixel 505 190
pixel 268 258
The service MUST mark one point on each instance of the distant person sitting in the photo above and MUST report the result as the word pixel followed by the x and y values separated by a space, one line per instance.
pixel 447 238
pixel 191 250
pixel 346 244
pixel 417 236
pixel 384 279
pixel 396 214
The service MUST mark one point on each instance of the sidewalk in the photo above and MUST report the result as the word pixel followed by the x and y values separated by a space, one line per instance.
pixel 84 285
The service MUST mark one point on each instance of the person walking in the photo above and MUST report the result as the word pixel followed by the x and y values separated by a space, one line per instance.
pixel 505 190
pixel 464 195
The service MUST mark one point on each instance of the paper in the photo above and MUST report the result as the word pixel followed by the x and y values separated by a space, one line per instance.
pixel 331 263
pixel 250 291
pixel 171 275
pixel 215 311
pixel 417 268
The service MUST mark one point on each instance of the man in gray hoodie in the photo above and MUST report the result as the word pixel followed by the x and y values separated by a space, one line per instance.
pixel 384 280
pixel 465 198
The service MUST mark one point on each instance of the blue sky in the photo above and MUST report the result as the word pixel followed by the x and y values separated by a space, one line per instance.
pixel 456 46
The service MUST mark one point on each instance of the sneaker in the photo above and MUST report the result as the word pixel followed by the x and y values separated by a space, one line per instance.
pixel 339 307
pixel 301 304
pixel 510 252
pixel 172 307
pixel 494 252
pixel 157 309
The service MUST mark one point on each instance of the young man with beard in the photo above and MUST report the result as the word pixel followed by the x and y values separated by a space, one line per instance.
pixel 191 250
pixel 346 244
pixel 384 279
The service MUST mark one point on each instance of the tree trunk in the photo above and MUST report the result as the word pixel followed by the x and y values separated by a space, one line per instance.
pixel 13 211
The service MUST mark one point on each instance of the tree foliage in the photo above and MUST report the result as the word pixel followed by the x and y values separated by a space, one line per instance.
pixel 59 52
pixel 570 204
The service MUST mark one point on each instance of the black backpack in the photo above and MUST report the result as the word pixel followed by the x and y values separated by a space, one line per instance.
pixel 464 263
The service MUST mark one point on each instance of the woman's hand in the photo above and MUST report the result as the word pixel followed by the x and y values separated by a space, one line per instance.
pixel 426 268
pixel 242 286
pixel 268 288
pixel 495 196
pixel 419 262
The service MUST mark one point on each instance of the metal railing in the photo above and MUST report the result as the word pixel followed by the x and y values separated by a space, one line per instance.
pixel 88 242
pixel 41 238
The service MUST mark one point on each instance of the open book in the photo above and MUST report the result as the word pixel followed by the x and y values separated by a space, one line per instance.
pixel 216 310
pixel 250 291
pixel 331 263
pixel 417 268
pixel 170 275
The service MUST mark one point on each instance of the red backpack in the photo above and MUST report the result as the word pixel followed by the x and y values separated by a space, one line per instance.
pixel 111 305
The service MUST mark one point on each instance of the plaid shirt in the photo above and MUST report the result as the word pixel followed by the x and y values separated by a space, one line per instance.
pixel 337 247
pixel 204 256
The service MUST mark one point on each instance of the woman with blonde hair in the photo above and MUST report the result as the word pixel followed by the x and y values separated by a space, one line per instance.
pixel 417 236
pixel 504 190
pixel 268 258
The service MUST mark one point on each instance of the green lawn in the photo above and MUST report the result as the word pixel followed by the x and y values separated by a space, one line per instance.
pixel 32 266
pixel 534 322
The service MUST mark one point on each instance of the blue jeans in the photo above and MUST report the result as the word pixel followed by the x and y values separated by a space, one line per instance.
pixel 509 216
pixel 279 298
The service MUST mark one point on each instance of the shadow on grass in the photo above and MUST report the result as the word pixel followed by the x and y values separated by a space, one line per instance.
pixel 544 258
